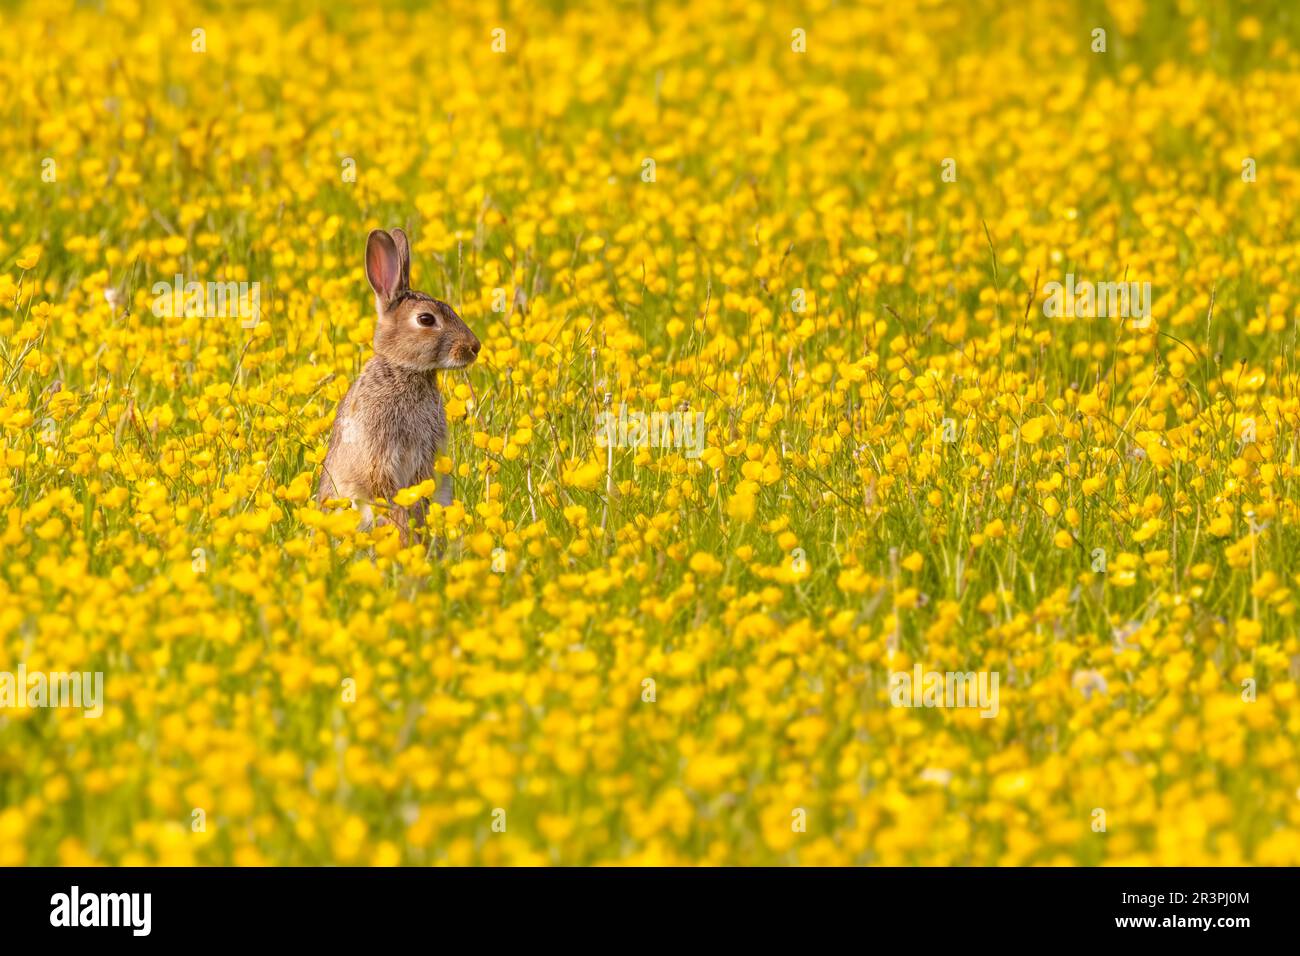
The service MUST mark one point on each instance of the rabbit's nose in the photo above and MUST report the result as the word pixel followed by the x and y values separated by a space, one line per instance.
pixel 476 346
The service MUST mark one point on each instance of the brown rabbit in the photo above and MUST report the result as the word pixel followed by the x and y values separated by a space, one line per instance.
pixel 390 425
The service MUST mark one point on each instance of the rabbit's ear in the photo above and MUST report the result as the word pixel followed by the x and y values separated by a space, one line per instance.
pixel 383 265
pixel 403 255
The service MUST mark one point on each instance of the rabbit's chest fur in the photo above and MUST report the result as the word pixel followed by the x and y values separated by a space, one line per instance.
pixel 387 434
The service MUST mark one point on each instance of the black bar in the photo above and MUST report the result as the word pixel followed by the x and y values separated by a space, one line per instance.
pixel 332 905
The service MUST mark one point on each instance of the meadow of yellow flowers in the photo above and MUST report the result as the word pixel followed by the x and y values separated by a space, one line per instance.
pixel 829 228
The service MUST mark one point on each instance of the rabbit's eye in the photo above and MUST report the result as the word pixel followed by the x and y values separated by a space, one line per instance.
pixel 427 319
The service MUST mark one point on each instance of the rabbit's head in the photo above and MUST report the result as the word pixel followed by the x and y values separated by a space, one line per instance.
pixel 415 331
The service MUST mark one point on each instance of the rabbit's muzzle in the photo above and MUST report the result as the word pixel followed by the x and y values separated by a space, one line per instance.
pixel 464 353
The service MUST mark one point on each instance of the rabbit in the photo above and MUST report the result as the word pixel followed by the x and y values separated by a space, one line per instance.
pixel 390 425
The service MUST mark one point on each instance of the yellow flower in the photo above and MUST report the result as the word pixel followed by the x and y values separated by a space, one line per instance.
pixel 1034 429
pixel 705 564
